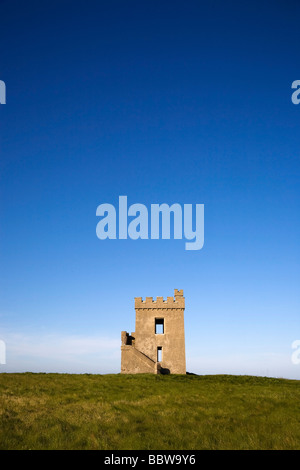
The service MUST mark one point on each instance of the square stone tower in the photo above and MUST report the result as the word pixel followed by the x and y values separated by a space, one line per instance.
pixel 157 346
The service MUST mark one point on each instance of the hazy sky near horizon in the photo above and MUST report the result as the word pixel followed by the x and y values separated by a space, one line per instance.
pixel 164 102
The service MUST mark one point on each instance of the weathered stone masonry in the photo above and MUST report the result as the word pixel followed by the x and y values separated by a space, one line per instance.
pixel 158 344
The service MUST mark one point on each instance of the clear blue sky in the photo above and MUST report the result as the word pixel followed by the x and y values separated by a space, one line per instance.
pixel 172 101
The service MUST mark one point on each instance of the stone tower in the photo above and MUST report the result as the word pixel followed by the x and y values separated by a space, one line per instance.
pixel 157 346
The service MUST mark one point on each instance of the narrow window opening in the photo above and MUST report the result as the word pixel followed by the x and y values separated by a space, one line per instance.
pixel 159 326
pixel 159 354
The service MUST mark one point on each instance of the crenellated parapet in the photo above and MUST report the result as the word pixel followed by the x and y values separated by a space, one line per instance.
pixel 178 301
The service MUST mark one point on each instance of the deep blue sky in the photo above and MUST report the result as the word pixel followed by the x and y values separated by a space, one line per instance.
pixel 171 101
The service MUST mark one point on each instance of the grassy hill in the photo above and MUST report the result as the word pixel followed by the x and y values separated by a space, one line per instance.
pixel 64 411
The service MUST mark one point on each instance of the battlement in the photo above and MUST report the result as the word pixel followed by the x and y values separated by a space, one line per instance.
pixel 178 293
pixel 177 301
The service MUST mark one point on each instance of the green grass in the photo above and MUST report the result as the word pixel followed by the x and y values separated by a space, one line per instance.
pixel 117 412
